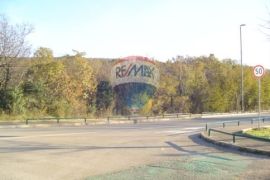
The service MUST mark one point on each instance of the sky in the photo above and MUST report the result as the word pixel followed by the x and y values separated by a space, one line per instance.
pixel 159 29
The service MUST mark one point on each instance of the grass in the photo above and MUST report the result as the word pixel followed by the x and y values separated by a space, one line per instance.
pixel 4 117
pixel 259 132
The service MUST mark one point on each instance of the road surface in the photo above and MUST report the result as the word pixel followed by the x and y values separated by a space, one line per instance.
pixel 168 149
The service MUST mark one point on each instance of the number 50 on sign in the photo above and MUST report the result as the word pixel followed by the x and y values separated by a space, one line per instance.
pixel 258 71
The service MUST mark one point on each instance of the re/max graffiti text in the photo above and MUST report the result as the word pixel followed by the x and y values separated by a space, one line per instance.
pixel 134 70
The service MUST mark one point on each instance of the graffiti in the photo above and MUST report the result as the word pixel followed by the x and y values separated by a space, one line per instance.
pixel 134 70
pixel 135 80
pixel 139 70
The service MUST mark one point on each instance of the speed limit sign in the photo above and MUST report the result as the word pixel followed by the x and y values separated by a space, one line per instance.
pixel 258 71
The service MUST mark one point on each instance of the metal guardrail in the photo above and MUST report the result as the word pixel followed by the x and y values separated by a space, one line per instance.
pixel 134 118
pixel 175 115
pixel 223 132
pixel 237 135
pixel 238 122
pixel 54 118
pixel 109 119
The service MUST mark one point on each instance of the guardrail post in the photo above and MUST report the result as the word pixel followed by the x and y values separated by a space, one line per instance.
pixel 233 138
pixel 206 127
pixel 223 125
pixel 85 121
pixel 26 121
pixel 263 120
pixel 238 123
pixel 108 120
pixel 147 117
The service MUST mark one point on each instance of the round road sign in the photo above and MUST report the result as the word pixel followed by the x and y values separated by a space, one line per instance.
pixel 258 71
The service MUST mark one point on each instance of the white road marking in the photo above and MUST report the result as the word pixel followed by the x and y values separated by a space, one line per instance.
pixel 178 132
pixel 181 130
pixel 194 128
pixel 174 132
pixel 46 135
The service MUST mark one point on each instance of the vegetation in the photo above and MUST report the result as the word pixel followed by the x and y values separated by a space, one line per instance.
pixel 73 85
pixel 259 132
pixel 77 86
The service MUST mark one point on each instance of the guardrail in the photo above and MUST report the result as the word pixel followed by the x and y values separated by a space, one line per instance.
pixel 54 118
pixel 238 122
pixel 110 119
pixel 237 135
pixel 135 119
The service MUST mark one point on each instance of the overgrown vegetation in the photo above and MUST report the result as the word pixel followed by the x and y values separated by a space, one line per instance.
pixel 259 132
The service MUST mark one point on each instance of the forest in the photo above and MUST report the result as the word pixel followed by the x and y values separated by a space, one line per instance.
pixel 41 85
pixel 76 86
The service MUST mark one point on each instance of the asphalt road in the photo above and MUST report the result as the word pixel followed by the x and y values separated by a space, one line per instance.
pixel 124 151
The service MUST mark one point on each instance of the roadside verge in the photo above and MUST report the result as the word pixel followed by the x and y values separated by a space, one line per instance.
pixel 243 148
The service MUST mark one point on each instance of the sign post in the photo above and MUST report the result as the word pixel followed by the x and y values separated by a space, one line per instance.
pixel 258 72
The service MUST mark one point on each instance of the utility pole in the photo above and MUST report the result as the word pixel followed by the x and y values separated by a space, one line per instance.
pixel 242 72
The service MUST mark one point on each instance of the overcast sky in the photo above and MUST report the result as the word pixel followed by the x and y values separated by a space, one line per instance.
pixel 159 29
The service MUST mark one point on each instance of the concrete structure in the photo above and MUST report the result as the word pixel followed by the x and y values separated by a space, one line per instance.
pixel 134 79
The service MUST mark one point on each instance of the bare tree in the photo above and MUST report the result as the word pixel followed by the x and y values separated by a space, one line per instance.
pixel 266 25
pixel 13 45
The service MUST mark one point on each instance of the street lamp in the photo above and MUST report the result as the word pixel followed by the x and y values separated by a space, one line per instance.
pixel 242 73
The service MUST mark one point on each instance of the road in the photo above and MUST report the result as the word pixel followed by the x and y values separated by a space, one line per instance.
pixel 124 151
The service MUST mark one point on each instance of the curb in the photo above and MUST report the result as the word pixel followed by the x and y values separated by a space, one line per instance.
pixel 233 146
pixel 40 125
pixel 14 126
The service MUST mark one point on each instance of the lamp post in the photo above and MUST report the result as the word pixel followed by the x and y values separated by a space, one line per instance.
pixel 242 73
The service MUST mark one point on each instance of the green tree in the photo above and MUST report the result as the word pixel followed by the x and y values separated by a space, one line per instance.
pixel 250 89
pixel 82 83
pixel 13 45
pixel 46 88
pixel 265 91
pixel 104 97
pixel 199 88
pixel 43 54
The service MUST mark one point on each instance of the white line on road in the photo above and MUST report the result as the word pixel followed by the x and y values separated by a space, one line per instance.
pixel 181 130
pixel 46 135
pixel 174 132
pixel 194 128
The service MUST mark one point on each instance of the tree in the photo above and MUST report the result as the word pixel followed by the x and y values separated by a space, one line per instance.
pixel 82 83
pixel 46 88
pixel 267 27
pixel 104 96
pixel 13 45
pixel 199 87
pixel 43 53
